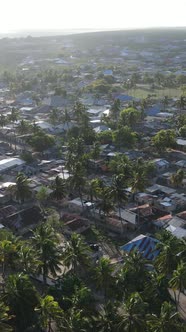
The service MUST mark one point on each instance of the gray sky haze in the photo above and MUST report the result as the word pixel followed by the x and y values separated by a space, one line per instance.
pixel 18 15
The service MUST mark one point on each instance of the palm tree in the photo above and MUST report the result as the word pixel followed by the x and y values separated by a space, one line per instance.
pixel 117 191
pixel 96 185
pixel 103 276
pixel 168 320
pixel 178 280
pixel 13 117
pixel 7 252
pixel 21 189
pixel 106 319
pixel 21 297
pixel 49 312
pixel 177 178
pixel 3 120
pixel 77 180
pixel 167 260
pixel 46 242
pixel 4 318
pixel 165 102
pixel 105 204
pixel 59 187
pixel 76 253
pixel 132 276
pixel 155 291
pixel 23 127
pixel 27 260
pixel 132 314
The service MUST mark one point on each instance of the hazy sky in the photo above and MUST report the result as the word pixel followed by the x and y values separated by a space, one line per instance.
pixel 95 14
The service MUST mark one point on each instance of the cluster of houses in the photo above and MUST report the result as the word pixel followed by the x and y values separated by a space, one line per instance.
pixel 160 206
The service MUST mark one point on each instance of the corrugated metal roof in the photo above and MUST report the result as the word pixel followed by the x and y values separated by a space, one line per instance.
pixel 10 162
pixel 146 245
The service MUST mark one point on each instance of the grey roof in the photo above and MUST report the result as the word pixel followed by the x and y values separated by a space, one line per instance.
pixel 127 216
pixel 177 231
pixel 158 187
pixel 10 162
pixel 181 163
pixel 177 222
pixel 181 141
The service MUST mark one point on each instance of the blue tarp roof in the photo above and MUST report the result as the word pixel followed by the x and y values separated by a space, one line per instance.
pixel 154 110
pixel 146 245
pixel 124 97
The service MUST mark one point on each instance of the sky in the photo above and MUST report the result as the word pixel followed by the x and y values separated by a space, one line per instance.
pixel 48 15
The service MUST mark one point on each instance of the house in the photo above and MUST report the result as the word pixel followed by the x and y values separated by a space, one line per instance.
pixel 159 189
pixel 128 216
pixel 55 101
pixel 78 225
pixel 114 224
pixel 123 98
pixel 181 143
pixel 45 126
pixel 108 72
pixel 145 245
pixel 101 128
pixel 160 164
pixel 143 198
pixel 181 164
pixel 143 212
pixel 24 220
pixel 177 231
pixel 76 205
pixel 10 163
pixel 7 211
pixel 162 222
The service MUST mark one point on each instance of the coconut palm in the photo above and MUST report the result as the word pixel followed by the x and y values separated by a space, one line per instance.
pixel 178 280
pixel 76 253
pixel 167 260
pixel 59 188
pixel 117 191
pixel 168 320
pixel 27 260
pixel 49 313
pixel 21 189
pixel 132 276
pixel 23 127
pixel 177 178
pixel 106 319
pixel 4 318
pixel 46 242
pixel 132 315
pixel 3 120
pixel 21 297
pixel 9 248
pixel 77 180
pixel 105 203
pixel 103 276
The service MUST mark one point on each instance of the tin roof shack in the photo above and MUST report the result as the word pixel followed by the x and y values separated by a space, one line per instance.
pixel 145 245
pixel 129 217
pixel 161 164
pixel 181 143
pixel 115 225
pixel 144 213
pixel 177 231
pixel 181 164
pixel 144 198
pixel 10 163
pixel 22 221
pixel 160 190
pixel 78 225
pixel 76 205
